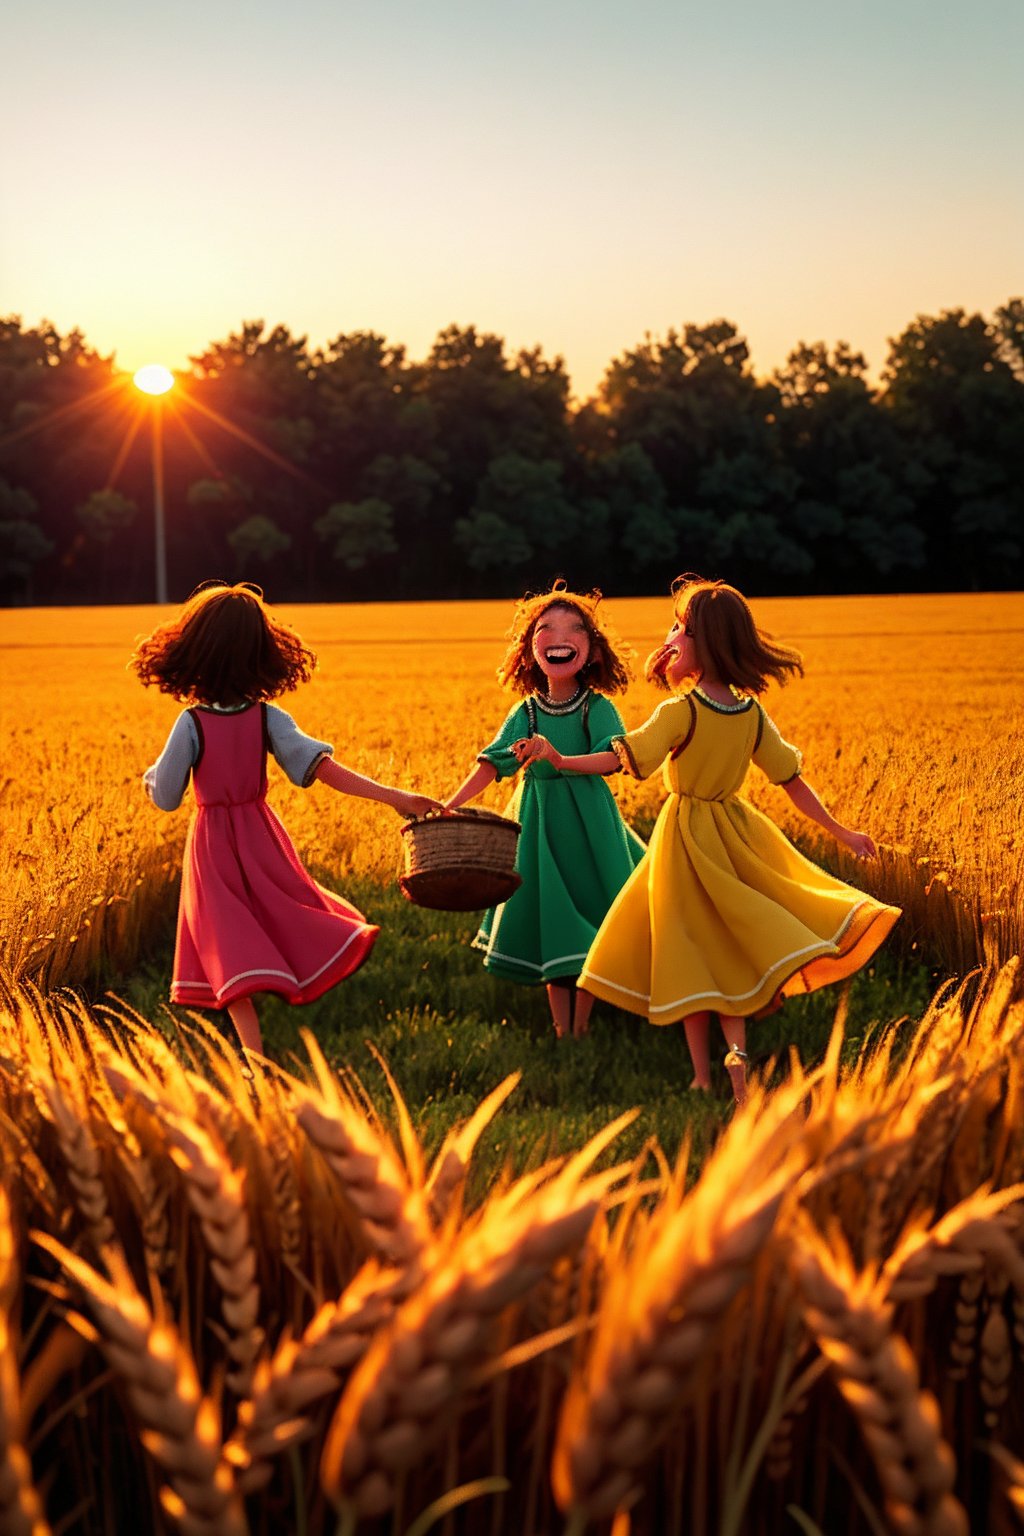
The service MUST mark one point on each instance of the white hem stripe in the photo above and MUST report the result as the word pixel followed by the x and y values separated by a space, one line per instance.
pixel 740 997
pixel 204 986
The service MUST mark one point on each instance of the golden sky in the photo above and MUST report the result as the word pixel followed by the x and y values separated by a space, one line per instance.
pixel 565 173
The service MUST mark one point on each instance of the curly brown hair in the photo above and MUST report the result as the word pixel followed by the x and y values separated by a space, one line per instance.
pixel 726 638
pixel 607 669
pixel 223 648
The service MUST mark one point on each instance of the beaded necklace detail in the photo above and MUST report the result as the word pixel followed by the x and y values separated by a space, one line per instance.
pixel 562 706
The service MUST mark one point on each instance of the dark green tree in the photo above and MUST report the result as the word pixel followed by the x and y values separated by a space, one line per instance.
pixel 359 534
pixel 953 395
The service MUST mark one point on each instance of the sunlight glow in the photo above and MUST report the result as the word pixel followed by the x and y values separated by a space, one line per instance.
pixel 154 379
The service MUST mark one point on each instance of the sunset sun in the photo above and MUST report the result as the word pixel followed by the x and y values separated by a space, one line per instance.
pixel 154 379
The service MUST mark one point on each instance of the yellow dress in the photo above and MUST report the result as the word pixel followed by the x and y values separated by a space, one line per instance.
pixel 722 912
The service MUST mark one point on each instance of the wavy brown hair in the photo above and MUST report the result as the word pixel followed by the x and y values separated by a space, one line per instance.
pixel 608 666
pixel 224 647
pixel 726 638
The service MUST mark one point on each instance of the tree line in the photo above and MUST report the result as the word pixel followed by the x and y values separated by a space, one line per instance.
pixel 352 471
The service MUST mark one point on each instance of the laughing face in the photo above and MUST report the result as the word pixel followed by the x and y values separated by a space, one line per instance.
pixel 561 643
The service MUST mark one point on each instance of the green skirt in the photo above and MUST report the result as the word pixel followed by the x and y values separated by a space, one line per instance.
pixel 575 853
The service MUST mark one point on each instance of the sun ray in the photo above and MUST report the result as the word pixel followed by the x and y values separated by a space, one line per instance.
pixel 130 434
pixel 200 449
pixel 251 442
pixel 63 412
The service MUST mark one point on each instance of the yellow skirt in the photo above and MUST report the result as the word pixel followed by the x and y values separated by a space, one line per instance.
pixel 723 913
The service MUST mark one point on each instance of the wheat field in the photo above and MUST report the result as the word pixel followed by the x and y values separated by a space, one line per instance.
pixel 272 1307
pixel 911 719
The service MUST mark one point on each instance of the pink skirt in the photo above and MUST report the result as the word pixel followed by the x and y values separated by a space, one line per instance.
pixel 251 918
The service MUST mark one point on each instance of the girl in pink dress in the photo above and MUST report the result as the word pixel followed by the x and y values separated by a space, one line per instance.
pixel 250 918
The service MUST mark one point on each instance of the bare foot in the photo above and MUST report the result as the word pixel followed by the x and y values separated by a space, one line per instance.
pixel 579 1030
pixel 699 1087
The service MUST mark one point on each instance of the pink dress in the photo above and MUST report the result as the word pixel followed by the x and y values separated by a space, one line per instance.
pixel 251 919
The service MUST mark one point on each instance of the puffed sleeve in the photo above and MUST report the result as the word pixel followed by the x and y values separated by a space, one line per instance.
pixel 167 779
pixel 604 723
pixel 297 754
pixel 499 752
pixel 775 757
pixel 641 751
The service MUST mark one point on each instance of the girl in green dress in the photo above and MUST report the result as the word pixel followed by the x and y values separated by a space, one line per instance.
pixel 575 851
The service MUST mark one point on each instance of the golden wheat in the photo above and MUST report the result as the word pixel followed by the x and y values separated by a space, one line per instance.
pixel 926 753
pixel 669 1339
pixel 420 1367
pixel 662 1307
pixel 179 1427
pixel 21 1513
pixel 877 1375
pixel 215 1192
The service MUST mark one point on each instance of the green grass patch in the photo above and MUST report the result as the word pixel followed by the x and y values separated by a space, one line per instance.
pixel 450 1033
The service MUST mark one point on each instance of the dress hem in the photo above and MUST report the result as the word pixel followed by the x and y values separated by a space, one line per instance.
pixel 830 961
pixel 352 956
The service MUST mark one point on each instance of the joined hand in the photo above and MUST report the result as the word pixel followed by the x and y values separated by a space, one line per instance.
pixel 533 749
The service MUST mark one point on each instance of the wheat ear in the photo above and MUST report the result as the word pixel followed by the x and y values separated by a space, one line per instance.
pixel 664 1302
pixel 82 1165
pixel 875 1370
pixel 451 1165
pixel 304 1372
pixel 391 1210
pixel 215 1192
pixel 21 1513
pixel 402 1396
pixel 179 1427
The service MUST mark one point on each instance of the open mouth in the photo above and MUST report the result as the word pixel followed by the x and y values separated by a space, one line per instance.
pixel 558 655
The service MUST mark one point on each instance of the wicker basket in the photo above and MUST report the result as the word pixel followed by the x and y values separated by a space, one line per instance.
pixel 460 861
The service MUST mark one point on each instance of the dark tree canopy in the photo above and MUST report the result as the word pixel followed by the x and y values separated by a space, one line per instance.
pixel 352 471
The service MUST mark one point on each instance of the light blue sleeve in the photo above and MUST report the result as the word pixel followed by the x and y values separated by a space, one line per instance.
pixel 297 754
pixel 167 780
pixel 499 752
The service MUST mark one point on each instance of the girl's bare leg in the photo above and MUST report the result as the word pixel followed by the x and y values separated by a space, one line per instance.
pixel 247 1026
pixel 735 1032
pixel 560 1003
pixel 582 1004
pixel 697 1027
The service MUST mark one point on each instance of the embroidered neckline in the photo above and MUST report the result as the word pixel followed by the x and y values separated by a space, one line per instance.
pixel 723 709
pixel 566 708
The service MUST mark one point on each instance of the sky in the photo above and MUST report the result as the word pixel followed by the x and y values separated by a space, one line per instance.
pixel 569 174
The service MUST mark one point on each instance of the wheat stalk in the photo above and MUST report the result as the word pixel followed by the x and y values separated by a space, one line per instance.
pixel 82 1165
pixel 851 1319
pixel 402 1395
pixel 664 1302
pixel 390 1209
pixel 304 1372
pixel 179 1427
pixel 448 1175
pixel 21 1513
pixel 215 1192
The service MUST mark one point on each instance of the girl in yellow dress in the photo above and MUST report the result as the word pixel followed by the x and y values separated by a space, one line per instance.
pixel 723 914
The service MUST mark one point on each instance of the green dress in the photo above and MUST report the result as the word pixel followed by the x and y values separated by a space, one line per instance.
pixel 575 851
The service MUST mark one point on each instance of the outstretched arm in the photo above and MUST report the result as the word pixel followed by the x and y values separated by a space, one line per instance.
pixel 483 774
pixel 807 802
pixel 532 749
pixel 351 783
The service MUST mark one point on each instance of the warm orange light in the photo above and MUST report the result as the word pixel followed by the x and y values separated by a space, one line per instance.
pixel 154 379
